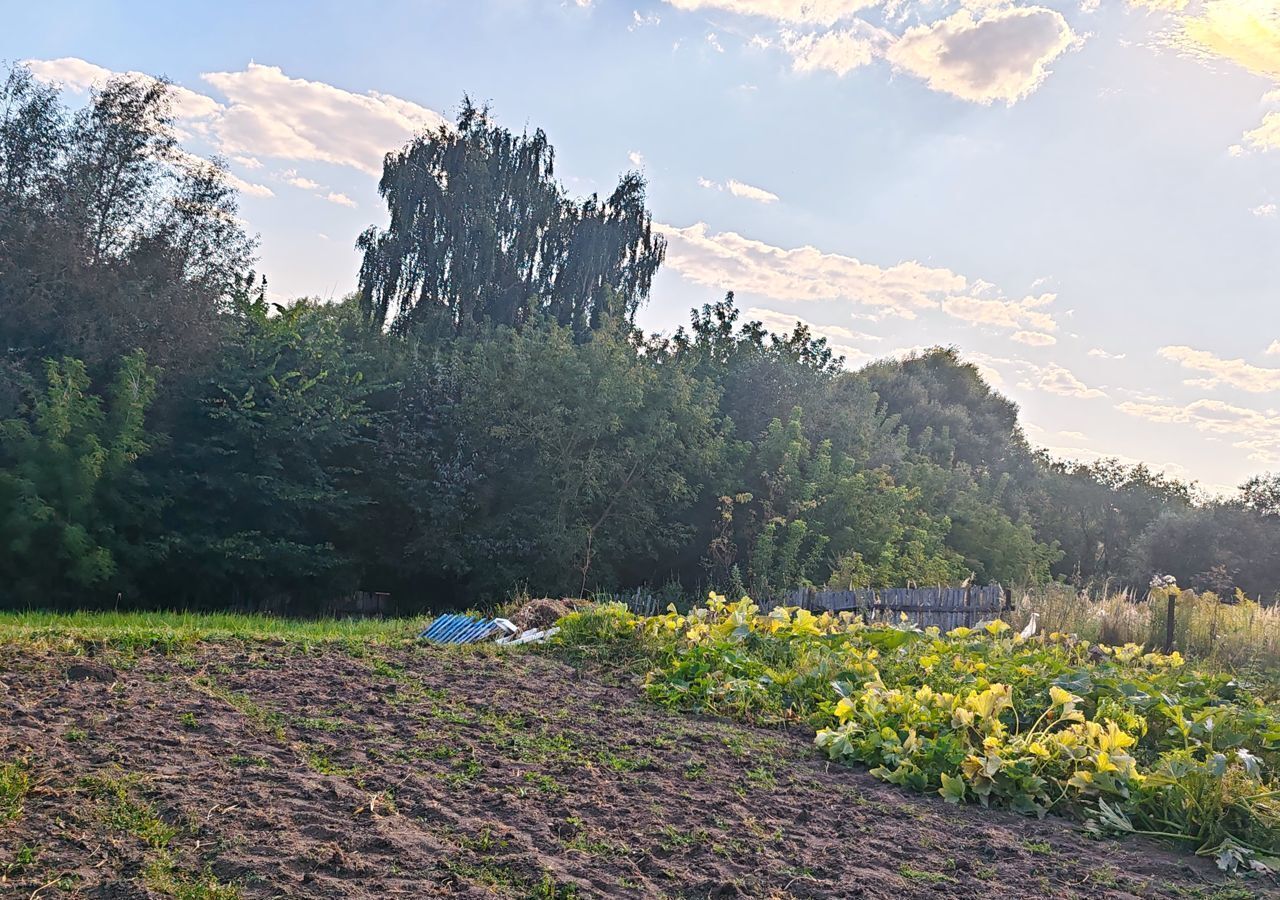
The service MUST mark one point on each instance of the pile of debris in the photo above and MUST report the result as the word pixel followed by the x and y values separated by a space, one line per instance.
pixel 530 622
pixel 543 612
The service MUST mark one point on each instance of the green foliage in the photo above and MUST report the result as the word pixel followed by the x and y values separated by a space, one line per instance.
pixel 1220 547
pixel 1130 741
pixel 559 461
pixel 601 632
pixel 65 470
pixel 1097 513
pixel 257 497
pixel 827 520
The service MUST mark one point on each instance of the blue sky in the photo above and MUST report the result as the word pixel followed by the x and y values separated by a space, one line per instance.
pixel 1080 195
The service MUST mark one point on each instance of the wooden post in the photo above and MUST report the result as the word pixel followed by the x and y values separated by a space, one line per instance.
pixel 1168 625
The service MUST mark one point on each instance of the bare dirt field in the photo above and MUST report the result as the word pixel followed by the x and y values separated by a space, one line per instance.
pixel 262 770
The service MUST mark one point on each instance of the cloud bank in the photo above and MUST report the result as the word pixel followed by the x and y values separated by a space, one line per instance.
pixel 729 261
pixel 266 113
pixel 985 52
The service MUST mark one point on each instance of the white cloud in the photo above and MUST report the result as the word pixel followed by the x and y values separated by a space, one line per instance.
pixel 292 177
pixel 1264 211
pixel 1001 312
pixel 1003 55
pixel 248 188
pixel 1256 431
pixel 730 261
pixel 269 114
pixel 1267 135
pixel 636 158
pixel 986 51
pixel 835 332
pixel 834 51
pixel 796 12
pixel 1103 354
pixel 272 114
pixel 639 21
pixel 1274 349
pixel 1055 379
pixel 750 192
pixel 1234 372
pixel 1245 32
pixel 1034 338
pixel 714 41
pixel 739 189
pixel 989 367
pixel 1144 396
pixel 79 75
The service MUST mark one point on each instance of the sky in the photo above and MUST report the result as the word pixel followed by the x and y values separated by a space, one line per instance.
pixel 1082 196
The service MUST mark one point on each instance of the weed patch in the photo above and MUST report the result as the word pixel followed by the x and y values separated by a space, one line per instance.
pixel 15 784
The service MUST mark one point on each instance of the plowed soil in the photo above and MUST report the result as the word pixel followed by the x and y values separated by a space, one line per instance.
pixel 259 770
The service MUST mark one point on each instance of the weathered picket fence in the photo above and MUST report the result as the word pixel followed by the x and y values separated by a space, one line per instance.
pixel 360 605
pixel 944 607
pixel 641 602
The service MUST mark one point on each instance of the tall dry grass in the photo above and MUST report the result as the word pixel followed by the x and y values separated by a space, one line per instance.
pixel 1238 634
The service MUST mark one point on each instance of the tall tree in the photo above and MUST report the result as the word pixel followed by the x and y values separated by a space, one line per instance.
pixel 1096 512
pixel 112 237
pixel 481 231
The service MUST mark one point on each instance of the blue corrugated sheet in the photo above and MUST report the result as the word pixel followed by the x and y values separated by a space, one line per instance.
pixel 456 628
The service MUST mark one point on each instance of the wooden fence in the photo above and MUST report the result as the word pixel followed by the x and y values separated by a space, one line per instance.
pixel 360 605
pixel 944 607
pixel 640 602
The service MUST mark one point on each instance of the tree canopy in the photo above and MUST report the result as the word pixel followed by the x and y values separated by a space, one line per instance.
pixel 113 238
pixel 483 416
pixel 481 231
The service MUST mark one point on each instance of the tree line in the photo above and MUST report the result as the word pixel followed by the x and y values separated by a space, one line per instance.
pixel 482 415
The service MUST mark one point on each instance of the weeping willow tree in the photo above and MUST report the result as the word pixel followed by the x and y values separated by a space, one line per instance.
pixel 480 230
